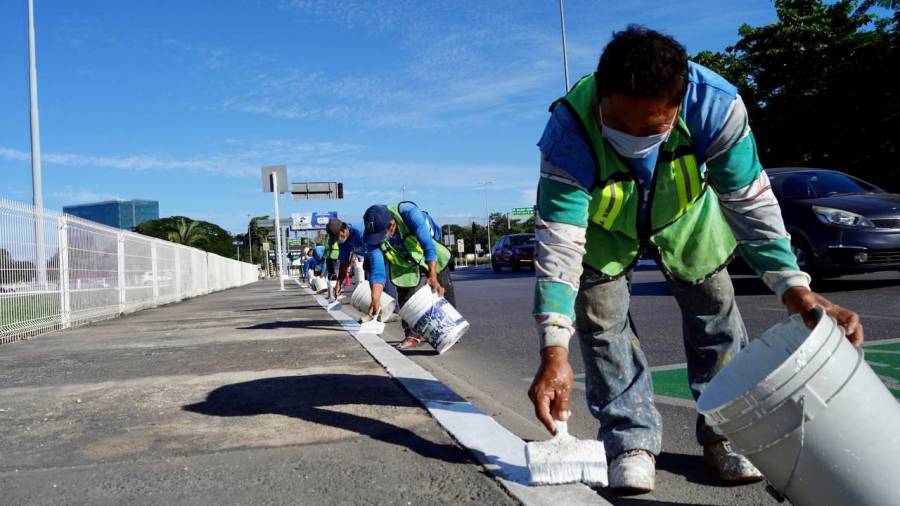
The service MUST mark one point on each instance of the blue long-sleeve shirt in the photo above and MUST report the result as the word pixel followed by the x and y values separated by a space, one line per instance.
pixel 353 244
pixel 419 225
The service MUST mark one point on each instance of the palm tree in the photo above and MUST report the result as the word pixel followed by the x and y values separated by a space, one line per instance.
pixel 188 233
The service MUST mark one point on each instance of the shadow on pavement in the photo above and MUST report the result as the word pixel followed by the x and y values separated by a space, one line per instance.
pixel 296 324
pixel 286 308
pixel 308 398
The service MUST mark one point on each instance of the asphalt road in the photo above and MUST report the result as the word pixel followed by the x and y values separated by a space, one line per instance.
pixel 493 365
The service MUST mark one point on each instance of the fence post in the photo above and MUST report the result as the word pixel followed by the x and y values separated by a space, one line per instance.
pixel 155 273
pixel 65 301
pixel 120 254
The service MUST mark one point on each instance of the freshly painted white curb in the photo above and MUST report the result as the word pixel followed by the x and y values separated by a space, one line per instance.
pixel 499 450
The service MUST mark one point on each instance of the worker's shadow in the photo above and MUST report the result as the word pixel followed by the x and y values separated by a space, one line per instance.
pixel 309 398
pixel 328 324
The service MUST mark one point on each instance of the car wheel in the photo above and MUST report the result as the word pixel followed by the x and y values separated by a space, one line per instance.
pixel 514 264
pixel 495 266
pixel 805 259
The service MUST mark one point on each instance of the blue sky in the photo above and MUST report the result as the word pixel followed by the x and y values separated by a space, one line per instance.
pixel 183 101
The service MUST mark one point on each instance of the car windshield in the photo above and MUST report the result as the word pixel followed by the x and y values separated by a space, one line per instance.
pixel 808 185
pixel 519 240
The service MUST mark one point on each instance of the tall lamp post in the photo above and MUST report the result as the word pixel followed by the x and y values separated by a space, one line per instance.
pixel 250 236
pixel 487 213
pixel 562 29
pixel 37 192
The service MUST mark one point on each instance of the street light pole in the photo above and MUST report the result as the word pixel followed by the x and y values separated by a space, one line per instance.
pixel 562 29
pixel 278 250
pixel 487 213
pixel 250 236
pixel 37 191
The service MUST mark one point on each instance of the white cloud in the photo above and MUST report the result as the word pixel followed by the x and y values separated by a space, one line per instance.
pixel 71 196
pixel 240 163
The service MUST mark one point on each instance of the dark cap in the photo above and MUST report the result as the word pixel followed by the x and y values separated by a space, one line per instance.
pixel 376 220
pixel 334 228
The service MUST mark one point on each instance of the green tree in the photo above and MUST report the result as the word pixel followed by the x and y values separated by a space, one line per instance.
pixel 219 241
pixel 821 85
pixel 188 233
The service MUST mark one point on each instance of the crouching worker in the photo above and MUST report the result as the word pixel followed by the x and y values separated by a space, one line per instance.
pixel 349 239
pixel 402 243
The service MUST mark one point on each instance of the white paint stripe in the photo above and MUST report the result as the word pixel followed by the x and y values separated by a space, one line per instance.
pixel 669 367
pixel 675 401
pixel 883 341
pixel 862 316
pixel 499 450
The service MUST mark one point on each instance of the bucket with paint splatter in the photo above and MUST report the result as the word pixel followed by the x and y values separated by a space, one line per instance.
pixel 434 318
pixel 361 299
pixel 809 412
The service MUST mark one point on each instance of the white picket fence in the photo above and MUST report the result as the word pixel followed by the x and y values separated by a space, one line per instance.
pixel 93 272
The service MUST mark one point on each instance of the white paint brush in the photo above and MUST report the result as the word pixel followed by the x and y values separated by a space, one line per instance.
pixel 565 459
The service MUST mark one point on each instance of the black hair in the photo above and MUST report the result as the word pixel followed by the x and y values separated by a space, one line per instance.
pixel 642 62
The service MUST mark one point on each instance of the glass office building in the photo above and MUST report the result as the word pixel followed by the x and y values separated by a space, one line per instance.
pixel 124 214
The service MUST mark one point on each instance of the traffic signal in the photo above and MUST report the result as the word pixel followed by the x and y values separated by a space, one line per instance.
pixel 340 190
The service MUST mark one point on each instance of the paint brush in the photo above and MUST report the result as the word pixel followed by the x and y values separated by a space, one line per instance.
pixel 565 459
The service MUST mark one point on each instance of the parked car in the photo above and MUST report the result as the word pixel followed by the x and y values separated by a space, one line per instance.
pixel 839 224
pixel 513 251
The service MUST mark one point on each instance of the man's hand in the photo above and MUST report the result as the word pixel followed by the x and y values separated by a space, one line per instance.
pixel 435 285
pixel 551 390
pixel 433 280
pixel 375 305
pixel 802 300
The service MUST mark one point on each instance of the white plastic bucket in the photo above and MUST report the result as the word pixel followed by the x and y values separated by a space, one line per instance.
pixel 361 299
pixel 434 318
pixel 319 284
pixel 809 412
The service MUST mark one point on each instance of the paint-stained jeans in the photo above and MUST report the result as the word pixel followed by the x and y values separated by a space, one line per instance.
pixel 619 387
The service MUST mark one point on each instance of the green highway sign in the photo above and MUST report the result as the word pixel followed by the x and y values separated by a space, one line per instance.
pixel 522 211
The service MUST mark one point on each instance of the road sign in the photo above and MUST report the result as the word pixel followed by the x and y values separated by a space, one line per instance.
pixel 460 246
pixel 266 246
pixel 449 239
pixel 237 243
pixel 281 172
pixel 477 247
pixel 317 191
pixel 312 221
pixel 271 223
pixel 294 245
pixel 522 211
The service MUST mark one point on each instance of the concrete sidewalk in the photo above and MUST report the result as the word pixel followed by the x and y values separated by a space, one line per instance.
pixel 247 396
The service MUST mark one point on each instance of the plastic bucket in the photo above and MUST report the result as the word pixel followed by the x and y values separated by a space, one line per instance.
pixel 434 318
pixel 809 412
pixel 361 299
pixel 319 284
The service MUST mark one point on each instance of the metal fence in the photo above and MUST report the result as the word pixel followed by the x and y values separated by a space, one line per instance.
pixel 57 271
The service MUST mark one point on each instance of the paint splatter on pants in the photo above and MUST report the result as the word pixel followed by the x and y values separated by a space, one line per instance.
pixel 619 386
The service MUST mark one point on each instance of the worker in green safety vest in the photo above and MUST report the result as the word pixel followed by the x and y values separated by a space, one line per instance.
pixel 652 156
pixel 402 244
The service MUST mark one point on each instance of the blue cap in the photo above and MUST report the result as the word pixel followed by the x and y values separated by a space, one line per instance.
pixel 375 221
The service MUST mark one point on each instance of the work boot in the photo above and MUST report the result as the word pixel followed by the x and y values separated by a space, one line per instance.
pixel 732 466
pixel 632 472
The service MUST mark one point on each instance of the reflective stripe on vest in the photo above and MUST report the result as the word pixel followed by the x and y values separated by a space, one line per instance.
pixel 606 204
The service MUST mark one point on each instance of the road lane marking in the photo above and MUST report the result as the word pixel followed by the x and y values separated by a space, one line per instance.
pixel 500 451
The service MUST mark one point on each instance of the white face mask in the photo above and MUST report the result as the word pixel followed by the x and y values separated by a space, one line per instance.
pixel 632 146
pixel 342 240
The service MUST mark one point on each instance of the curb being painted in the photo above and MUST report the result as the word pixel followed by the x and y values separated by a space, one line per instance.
pixel 500 451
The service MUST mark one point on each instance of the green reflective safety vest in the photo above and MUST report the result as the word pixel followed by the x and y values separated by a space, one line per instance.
pixel 408 261
pixel 685 221
pixel 333 250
